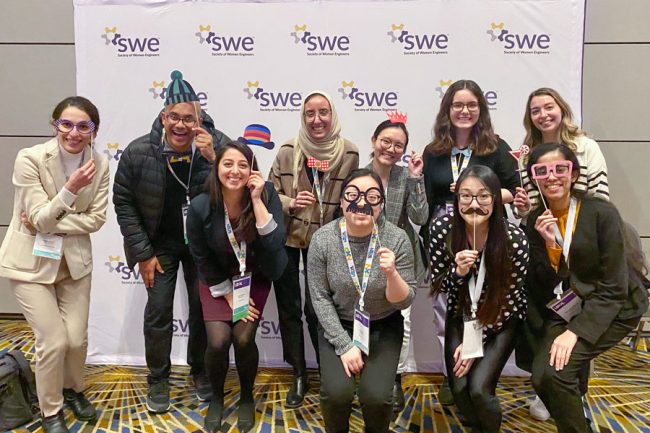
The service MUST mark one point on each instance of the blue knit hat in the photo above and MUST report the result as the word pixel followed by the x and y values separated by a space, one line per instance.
pixel 179 90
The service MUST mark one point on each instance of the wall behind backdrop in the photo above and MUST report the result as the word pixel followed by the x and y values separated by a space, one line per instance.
pixel 38 46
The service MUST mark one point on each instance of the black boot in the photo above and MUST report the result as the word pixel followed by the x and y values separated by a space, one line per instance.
pixel 398 394
pixel 246 413
pixel 212 420
pixel 81 407
pixel 445 397
pixel 296 394
pixel 55 423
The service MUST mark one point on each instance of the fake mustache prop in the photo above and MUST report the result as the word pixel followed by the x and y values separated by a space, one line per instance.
pixel 365 210
pixel 472 210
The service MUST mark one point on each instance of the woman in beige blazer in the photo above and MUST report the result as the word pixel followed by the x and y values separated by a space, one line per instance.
pixel 61 192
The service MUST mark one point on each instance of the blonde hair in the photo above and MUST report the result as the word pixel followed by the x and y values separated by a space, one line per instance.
pixel 569 131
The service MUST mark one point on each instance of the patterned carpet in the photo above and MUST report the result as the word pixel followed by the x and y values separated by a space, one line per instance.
pixel 619 398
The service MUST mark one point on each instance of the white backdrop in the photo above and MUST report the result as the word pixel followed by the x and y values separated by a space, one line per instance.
pixel 252 62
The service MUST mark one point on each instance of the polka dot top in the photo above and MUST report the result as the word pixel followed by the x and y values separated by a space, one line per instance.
pixel 443 266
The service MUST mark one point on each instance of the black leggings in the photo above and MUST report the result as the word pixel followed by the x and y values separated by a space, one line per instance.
pixel 474 393
pixel 220 336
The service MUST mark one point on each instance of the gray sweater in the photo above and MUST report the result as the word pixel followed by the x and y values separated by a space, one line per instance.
pixel 330 284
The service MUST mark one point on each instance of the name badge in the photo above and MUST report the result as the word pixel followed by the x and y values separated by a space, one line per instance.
pixel 472 340
pixel 361 331
pixel 568 306
pixel 241 293
pixel 184 208
pixel 449 207
pixel 49 246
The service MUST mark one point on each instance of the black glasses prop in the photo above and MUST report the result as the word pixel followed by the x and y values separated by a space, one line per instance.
pixel 66 126
pixel 371 197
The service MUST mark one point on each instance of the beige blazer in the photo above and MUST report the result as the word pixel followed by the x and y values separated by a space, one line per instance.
pixel 38 177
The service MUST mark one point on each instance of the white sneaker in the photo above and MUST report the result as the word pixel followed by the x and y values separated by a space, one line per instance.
pixel 537 410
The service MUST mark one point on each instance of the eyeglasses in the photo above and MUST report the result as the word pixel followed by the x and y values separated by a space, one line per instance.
pixel 322 113
pixel 386 144
pixel 459 106
pixel 372 196
pixel 483 199
pixel 559 169
pixel 85 127
pixel 188 120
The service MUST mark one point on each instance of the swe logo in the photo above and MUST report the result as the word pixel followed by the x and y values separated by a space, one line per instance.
pixel 131 46
pixel 119 268
pixel 158 90
pixel 491 96
pixel 418 43
pixel 320 45
pixel 225 45
pixel 113 153
pixel 269 329
pixel 273 100
pixel 368 100
pixel 180 327
pixel 519 43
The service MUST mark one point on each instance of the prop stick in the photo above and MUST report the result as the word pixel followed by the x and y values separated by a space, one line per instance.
pixel 518 155
pixel 474 234
pixel 540 194
pixel 374 221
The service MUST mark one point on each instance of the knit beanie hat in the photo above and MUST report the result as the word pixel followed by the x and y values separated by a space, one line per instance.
pixel 179 90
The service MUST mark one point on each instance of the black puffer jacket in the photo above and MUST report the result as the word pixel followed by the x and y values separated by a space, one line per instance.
pixel 139 188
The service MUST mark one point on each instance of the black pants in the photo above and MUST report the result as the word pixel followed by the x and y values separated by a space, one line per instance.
pixel 158 316
pixel 289 302
pixel 375 382
pixel 560 390
pixel 474 393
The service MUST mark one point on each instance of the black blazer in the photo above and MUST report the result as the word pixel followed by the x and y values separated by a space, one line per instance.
pixel 211 249
pixel 598 272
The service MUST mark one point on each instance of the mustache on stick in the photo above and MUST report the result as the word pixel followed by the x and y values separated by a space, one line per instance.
pixel 354 208
pixel 473 210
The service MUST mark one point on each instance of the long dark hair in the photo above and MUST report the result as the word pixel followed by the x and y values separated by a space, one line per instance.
pixel 482 139
pixel 244 226
pixel 498 253
pixel 565 151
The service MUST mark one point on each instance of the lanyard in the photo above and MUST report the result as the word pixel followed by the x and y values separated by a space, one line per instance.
pixel 455 169
pixel 361 288
pixel 476 285
pixel 239 250
pixel 189 176
pixel 568 236
pixel 319 192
